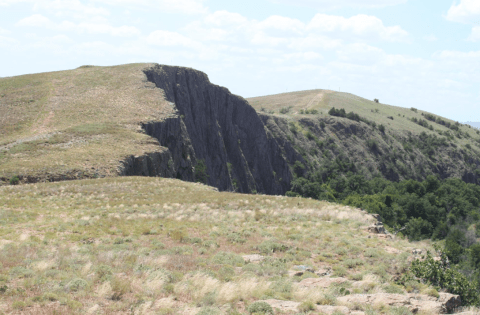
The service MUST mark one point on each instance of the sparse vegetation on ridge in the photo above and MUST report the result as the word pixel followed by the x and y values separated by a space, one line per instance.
pixel 150 244
pixel 69 123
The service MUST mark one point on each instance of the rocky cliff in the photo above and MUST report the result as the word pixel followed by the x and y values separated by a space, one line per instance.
pixel 215 129
pixel 218 138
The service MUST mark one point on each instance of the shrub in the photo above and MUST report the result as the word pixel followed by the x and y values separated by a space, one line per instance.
pixel 392 288
pixel 236 237
pixel 103 272
pixel 22 272
pixel 439 274
pixel 339 271
pixel 226 273
pixel 49 296
pixel 201 174
pixel 19 305
pixel 178 235
pixel 376 100
pixel 260 308
pixel 225 258
pixel 77 284
pixel 119 287
pixel 268 247
pixel 327 299
pixel 372 145
pixel 306 307
pixel 14 180
pixel 381 128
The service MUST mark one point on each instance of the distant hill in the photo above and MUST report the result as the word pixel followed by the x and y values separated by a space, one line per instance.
pixel 372 138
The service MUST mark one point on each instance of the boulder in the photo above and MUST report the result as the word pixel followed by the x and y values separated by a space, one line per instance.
pixel 322 272
pixel 414 302
pixel 253 258
pixel 450 301
pixel 376 228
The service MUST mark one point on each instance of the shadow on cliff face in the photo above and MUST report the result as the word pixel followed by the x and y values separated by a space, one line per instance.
pixel 219 130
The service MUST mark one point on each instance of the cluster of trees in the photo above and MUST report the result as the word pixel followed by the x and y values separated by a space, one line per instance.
pixel 422 122
pixel 426 143
pixel 440 121
pixel 309 111
pixel 342 113
pixel 353 116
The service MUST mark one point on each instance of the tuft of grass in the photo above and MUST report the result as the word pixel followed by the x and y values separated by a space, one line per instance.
pixel 260 307
pixel 306 306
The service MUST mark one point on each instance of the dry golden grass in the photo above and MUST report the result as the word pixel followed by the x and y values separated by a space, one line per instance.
pixel 73 121
pixel 153 245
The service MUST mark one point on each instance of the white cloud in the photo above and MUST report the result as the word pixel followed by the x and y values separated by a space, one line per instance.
pixel 283 24
pixel 171 39
pixel 78 9
pixel 69 7
pixel 225 19
pixel 430 38
pixel 61 7
pixel 38 20
pixel 475 35
pixel 4 31
pixel 360 53
pixel 177 6
pixel 8 42
pixel 463 61
pixel 360 26
pixel 314 41
pixel 322 32
pixel 329 4
pixel 304 56
pixel 467 11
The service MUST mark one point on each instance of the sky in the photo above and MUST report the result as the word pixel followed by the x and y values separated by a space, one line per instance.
pixel 409 53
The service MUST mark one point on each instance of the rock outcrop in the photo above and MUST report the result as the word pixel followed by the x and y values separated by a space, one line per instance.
pixel 445 303
pixel 216 127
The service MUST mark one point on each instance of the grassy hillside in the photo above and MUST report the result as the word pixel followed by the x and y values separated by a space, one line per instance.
pixel 393 142
pixel 324 100
pixel 71 122
pixel 162 246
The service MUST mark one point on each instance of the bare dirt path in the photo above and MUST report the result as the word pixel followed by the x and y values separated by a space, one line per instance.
pixel 317 98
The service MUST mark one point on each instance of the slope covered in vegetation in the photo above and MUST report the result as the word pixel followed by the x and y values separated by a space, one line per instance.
pixel 417 170
pixel 162 246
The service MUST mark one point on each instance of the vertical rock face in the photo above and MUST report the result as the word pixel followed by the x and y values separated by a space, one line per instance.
pixel 220 129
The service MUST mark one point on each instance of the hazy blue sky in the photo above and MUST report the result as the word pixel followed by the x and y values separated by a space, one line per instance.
pixel 411 53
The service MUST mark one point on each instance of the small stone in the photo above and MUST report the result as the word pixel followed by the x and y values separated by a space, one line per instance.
pixel 253 258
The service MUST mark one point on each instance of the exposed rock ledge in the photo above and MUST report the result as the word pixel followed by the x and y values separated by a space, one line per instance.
pixel 213 126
